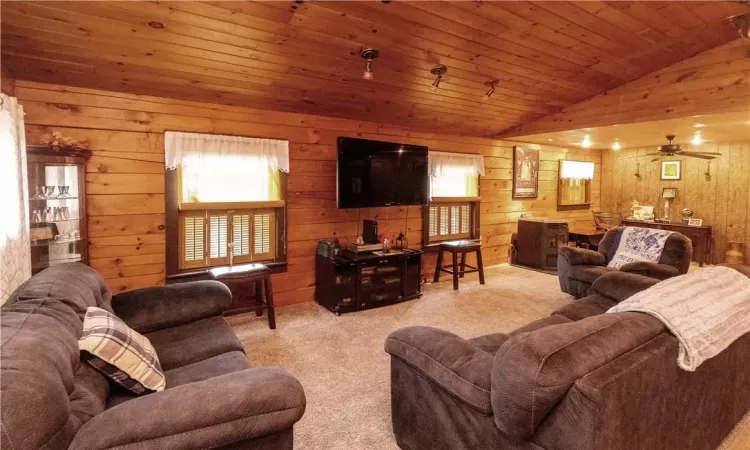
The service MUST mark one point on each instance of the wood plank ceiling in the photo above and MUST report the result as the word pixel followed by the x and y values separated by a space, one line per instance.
pixel 304 57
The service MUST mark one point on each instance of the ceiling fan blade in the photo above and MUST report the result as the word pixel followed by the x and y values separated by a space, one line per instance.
pixel 697 155
pixel 657 158
pixel 655 153
pixel 705 153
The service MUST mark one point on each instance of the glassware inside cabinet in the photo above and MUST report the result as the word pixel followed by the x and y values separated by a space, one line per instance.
pixel 56 208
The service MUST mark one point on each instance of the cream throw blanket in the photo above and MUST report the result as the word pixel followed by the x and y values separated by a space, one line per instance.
pixel 636 244
pixel 706 310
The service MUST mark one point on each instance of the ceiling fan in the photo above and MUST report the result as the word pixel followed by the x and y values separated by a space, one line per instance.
pixel 671 149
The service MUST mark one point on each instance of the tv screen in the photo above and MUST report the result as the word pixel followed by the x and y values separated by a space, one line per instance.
pixel 374 173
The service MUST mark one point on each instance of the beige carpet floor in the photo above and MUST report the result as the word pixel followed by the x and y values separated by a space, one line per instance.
pixel 345 372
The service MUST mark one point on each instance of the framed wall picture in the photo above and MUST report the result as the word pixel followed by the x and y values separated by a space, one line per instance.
pixel 671 170
pixel 525 172
pixel 669 193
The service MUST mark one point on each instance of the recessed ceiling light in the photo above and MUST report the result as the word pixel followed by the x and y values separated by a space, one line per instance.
pixel 698 125
pixel 616 146
pixel 549 139
pixel 586 143
pixel 697 138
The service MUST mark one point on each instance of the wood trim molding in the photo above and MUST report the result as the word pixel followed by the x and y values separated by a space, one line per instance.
pixel 229 205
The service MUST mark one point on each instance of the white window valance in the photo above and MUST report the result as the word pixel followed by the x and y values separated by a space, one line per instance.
pixel 178 147
pixel 466 163
pixel 580 170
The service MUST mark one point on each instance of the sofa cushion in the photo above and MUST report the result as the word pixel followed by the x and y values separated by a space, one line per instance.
pixel 187 344
pixel 554 319
pixel 208 368
pixel 202 370
pixel 120 353
pixel 588 274
pixel 47 392
pixel 533 371
pixel 586 307
pixel 451 362
pixel 490 343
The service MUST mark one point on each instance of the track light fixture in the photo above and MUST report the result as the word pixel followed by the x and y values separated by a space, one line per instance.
pixel 438 71
pixel 368 54
pixel 491 84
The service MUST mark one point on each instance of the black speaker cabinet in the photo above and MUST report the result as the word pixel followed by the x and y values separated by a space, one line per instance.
pixel 370 232
pixel 538 241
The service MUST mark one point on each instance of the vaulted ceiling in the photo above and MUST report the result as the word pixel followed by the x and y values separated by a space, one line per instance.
pixel 304 57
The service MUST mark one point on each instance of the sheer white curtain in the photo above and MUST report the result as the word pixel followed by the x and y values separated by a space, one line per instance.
pixel 454 174
pixel 218 168
pixel 15 260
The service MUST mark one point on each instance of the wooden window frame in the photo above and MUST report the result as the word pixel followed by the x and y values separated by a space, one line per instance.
pixel 473 233
pixel 174 234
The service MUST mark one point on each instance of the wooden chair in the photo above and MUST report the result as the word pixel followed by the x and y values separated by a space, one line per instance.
pixel 455 248
pixel 605 220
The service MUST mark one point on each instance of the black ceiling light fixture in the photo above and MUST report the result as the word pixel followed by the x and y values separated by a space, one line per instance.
pixel 368 54
pixel 438 71
pixel 491 84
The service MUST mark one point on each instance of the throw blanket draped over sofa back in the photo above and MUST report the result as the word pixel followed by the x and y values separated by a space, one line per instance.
pixel 706 310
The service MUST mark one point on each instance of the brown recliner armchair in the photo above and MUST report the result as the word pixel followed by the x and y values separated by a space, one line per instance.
pixel 578 268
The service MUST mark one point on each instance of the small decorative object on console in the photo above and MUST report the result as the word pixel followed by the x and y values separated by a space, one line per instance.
pixel 695 222
pixel 687 213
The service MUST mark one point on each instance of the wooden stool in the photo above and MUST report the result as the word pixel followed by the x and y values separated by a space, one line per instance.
pixel 462 247
pixel 239 280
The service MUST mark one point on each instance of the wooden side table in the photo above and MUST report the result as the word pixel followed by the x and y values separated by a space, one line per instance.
pixel 459 248
pixel 244 279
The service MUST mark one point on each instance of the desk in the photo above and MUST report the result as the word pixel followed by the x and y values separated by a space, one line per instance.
pixel 702 237
pixel 241 280
pixel 586 237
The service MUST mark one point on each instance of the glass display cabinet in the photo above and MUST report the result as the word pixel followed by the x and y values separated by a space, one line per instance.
pixel 57 206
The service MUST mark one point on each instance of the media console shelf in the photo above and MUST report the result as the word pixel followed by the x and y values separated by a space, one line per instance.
pixel 353 282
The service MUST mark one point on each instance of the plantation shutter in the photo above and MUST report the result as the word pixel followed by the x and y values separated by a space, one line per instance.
pixel 193 240
pixel 263 226
pixel 218 231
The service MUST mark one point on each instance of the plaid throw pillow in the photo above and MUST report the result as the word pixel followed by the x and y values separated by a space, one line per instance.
pixel 120 353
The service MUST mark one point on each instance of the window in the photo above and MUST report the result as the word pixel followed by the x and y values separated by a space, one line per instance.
pixel 453 212
pixel 229 206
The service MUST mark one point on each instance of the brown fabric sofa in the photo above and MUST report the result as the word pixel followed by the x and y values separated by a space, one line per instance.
pixel 578 268
pixel 578 379
pixel 214 399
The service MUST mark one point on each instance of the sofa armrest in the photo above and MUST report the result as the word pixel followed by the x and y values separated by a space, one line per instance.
pixel 649 269
pixel 212 413
pixel 158 307
pixel 447 360
pixel 621 285
pixel 581 256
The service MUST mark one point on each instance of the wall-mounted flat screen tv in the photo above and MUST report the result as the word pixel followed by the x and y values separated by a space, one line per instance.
pixel 374 173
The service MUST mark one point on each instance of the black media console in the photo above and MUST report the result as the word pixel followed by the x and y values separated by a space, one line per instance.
pixel 357 281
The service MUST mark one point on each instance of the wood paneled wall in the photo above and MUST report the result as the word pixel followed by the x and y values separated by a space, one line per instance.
pixel 721 199
pixel 7 81
pixel 711 82
pixel 125 178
